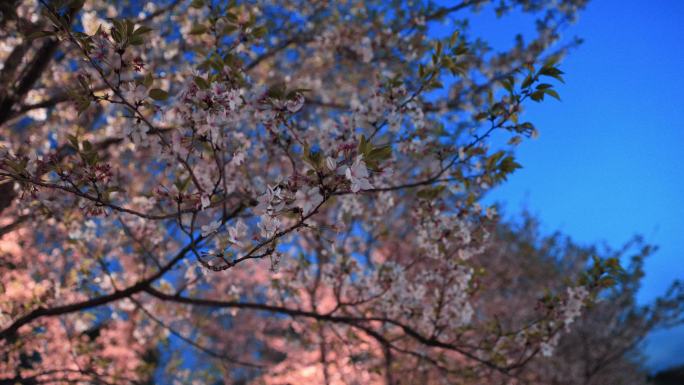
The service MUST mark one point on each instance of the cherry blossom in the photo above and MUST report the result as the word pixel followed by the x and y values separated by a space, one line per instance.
pixel 131 138
pixel 358 175
pixel 237 233
pixel 210 228
pixel 269 226
pixel 308 199
pixel 135 93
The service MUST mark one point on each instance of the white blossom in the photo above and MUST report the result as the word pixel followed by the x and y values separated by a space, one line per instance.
pixel 271 201
pixel 206 202
pixel 357 174
pixel 295 104
pixel 573 304
pixel 269 226
pixel 135 93
pixel 210 228
pixel 308 199
pixel 331 163
pixel 237 233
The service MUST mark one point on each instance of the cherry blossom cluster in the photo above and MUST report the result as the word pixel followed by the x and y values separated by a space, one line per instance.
pixel 278 186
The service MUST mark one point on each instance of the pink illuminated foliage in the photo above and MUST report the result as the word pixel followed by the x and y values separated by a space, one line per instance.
pixel 285 192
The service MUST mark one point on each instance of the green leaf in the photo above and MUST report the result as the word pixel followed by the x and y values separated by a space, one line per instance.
pixel 216 65
pixel 39 34
pixel 494 159
pixel 147 80
pixel 118 26
pixel 553 72
pixel 508 83
pixel 229 29
pixel 515 140
pixel 421 70
pixel 537 96
pixel 552 93
pixel 435 85
pixel 528 81
pixel 130 26
pixel 259 32
pixel 87 146
pixel 73 140
pixel 552 60
pixel 198 29
pixel 158 94
pixel 454 38
pixel 380 154
pixel 277 91
pixel 293 93
pixel 430 193
pixel 136 40
pixel 365 146
pixel 481 115
pixel 182 184
pixel 508 165
pixel 142 30
pixel 201 83
pixel 116 35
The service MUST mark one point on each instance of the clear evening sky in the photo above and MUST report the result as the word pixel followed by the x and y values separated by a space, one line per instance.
pixel 608 162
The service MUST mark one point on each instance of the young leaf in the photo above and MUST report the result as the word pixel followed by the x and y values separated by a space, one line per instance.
pixel 198 29
pixel 158 94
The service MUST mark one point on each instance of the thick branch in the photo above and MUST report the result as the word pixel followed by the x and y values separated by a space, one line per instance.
pixel 94 302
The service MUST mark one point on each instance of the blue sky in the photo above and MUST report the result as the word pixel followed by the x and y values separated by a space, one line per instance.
pixel 608 163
